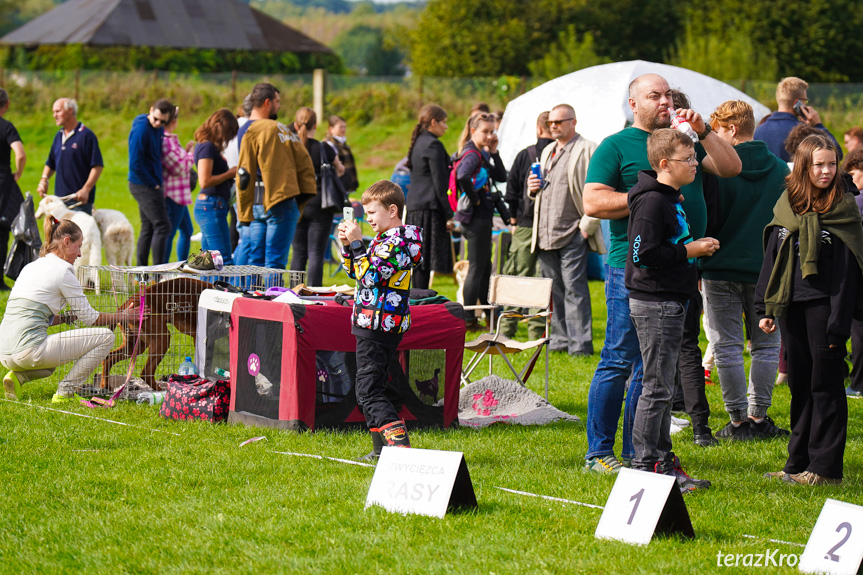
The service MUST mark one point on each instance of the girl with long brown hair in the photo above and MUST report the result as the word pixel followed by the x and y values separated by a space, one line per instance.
pixel 810 284
pixel 43 289
pixel 427 205
pixel 215 177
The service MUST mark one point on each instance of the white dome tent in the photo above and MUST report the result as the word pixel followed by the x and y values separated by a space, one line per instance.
pixel 600 95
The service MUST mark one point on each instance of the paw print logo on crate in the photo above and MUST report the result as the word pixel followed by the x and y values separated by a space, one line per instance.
pixel 254 364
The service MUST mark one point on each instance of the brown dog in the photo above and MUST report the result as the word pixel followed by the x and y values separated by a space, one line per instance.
pixel 172 302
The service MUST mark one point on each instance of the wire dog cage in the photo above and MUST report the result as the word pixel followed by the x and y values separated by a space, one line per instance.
pixel 168 330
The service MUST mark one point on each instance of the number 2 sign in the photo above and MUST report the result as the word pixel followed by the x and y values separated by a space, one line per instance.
pixel 836 543
pixel 641 504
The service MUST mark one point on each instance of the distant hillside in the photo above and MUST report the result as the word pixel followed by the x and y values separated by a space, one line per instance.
pixel 324 20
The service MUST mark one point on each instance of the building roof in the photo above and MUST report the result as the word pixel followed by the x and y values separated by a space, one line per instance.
pixel 220 24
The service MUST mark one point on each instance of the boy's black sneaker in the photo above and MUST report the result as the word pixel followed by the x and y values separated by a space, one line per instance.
pixel 705 440
pixel 766 429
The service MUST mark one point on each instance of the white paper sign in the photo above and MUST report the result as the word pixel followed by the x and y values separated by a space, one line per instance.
pixel 636 504
pixel 836 543
pixel 421 481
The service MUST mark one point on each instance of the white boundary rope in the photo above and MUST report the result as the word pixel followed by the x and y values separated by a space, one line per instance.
pixel 91 417
pixel 348 461
pixel 774 540
pixel 550 498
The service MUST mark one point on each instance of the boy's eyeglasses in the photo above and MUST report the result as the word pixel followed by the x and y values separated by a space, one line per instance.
pixel 690 160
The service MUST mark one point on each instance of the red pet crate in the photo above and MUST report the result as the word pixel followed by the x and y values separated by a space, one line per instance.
pixel 293 366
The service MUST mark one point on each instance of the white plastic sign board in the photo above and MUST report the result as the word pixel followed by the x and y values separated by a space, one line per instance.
pixel 421 481
pixel 641 504
pixel 836 543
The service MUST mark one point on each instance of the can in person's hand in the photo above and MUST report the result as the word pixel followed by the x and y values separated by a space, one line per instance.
pixel 536 170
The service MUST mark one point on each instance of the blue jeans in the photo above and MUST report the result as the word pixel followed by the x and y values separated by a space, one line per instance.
pixel 211 213
pixel 660 331
pixel 270 235
pixel 180 220
pixel 619 362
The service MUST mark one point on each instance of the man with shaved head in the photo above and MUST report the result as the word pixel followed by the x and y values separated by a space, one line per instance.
pixel 75 158
pixel 562 234
pixel 613 171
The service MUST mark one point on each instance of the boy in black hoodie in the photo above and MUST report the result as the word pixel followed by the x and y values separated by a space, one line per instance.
pixel 661 275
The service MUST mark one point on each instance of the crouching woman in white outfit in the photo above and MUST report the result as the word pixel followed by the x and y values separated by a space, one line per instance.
pixel 42 290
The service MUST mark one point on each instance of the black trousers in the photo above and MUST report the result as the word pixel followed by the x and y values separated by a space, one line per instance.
pixel 155 224
pixel 478 236
pixel 819 407
pixel 373 362
pixel 857 355
pixel 690 372
pixel 311 240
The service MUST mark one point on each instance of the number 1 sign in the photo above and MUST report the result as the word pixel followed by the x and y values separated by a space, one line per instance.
pixel 640 504
pixel 836 543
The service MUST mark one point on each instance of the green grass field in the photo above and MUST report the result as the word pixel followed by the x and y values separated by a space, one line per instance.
pixel 83 494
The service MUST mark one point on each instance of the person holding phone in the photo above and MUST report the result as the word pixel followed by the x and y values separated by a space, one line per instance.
pixel 793 100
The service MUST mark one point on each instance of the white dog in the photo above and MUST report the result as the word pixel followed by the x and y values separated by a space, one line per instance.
pixel 118 236
pixel 91 248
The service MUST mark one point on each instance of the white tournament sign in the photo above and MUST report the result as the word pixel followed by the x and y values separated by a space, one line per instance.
pixel 421 481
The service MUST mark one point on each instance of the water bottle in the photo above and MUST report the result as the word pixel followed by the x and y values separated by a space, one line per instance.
pixel 188 367
pixel 151 397
pixel 681 124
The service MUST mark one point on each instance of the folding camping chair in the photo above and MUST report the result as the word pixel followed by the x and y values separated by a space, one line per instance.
pixel 521 292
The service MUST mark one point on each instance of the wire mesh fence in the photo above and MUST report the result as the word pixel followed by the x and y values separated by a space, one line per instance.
pixel 152 347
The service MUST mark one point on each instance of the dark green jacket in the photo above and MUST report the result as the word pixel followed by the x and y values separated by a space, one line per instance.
pixel 843 221
pixel 746 205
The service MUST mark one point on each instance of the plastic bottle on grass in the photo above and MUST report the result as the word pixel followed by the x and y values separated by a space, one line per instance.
pixel 151 397
pixel 188 367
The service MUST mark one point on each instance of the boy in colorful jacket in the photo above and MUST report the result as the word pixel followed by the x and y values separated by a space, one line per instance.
pixel 381 313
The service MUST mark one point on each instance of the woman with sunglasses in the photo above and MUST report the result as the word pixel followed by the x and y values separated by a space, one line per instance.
pixel 476 169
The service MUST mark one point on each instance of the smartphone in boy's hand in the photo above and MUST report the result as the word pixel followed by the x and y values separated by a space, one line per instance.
pixel 348 213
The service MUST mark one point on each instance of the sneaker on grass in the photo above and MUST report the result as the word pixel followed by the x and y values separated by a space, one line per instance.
pixel 705 439
pixel 685 482
pixel 680 422
pixel 809 478
pixel 850 393
pixel 741 432
pixel 766 429
pixel 12 386
pixel 58 398
pixel 607 464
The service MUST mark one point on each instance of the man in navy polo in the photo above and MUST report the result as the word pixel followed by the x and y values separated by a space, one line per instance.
pixel 145 180
pixel 75 158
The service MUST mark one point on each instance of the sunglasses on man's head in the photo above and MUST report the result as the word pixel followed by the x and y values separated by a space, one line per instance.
pixel 551 123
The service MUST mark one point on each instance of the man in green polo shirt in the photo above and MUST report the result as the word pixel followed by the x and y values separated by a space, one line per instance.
pixel 613 171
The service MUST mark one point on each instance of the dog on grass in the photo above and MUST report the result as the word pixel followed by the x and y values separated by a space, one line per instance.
pixel 118 237
pixel 173 302
pixel 91 248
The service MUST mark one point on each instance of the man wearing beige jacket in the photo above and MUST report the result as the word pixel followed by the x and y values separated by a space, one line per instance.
pixel 562 234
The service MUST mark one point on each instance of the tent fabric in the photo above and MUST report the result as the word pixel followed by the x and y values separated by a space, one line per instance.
pixel 276 350
pixel 218 24
pixel 600 97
